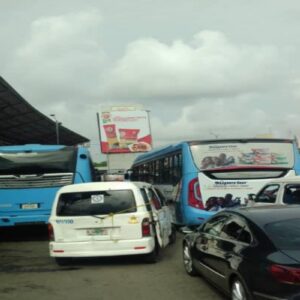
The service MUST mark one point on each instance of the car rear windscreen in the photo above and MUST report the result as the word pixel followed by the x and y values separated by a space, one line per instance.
pixel 285 234
pixel 96 203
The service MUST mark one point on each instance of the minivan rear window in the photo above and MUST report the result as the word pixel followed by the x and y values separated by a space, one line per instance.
pixel 96 203
pixel 285 234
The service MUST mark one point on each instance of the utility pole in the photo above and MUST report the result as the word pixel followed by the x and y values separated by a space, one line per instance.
pixel 56 128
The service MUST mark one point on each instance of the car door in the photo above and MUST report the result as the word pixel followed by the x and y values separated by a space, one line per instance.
pixel 204 250
pixel 159 218
pixel 167 212
pixel 268 195
pixel 234 238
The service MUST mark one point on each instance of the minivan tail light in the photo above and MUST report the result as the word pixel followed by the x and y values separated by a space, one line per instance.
pixel 50 232
pixel 285 274
pixel 146 227
pixel 194 194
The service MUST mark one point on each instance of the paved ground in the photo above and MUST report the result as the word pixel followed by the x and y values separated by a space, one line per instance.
pixel 27 272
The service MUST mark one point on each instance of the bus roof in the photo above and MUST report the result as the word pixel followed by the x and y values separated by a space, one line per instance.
pixel 31 147
pixel 161 151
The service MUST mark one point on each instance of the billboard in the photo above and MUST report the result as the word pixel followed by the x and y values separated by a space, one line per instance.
pixel 243 155
pixel 124 130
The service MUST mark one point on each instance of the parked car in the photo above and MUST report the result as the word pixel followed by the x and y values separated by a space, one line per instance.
pixel 284 191
pixel 109 219
pixel 248 253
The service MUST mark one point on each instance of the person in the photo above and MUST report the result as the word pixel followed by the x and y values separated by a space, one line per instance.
pixel 212 204
pixel 229 202
pixel 221 202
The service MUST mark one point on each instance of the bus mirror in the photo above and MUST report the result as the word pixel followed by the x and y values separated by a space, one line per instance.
pixel 83 156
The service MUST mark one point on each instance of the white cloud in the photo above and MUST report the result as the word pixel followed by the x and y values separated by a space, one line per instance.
pixel 210 65
pixel 226 118
pixel 211 84
pixel 61 59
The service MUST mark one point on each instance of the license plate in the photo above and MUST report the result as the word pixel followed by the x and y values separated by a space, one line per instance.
pixel 97 231
pixel 30 206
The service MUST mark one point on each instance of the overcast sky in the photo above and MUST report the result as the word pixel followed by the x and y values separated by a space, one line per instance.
pixel 204 68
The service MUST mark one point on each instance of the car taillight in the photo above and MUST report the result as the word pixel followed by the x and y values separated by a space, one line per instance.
pixel 194 194
pixel 146 227
pixel 285 274
pixel 50 232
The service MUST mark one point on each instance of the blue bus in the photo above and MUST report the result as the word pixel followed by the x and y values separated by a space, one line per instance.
pixel 202 177
pixel 30 176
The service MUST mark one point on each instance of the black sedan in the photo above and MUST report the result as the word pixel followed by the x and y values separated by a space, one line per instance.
pixel 248 253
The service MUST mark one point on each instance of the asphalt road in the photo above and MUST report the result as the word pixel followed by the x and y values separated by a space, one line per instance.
pixel 27 272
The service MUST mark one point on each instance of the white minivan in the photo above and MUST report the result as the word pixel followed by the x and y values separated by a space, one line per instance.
pixel 282 191
pixel 109 219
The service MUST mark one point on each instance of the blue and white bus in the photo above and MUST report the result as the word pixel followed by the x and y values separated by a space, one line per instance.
pixel 30 176
pixel 201 177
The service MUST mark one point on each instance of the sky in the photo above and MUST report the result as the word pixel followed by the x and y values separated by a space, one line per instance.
pixel 204 68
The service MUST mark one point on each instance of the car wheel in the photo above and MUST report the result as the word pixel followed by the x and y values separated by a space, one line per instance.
pixel 172 237
pixel 153 256
pixel 62 261
pixel 238 291
pixel 188 261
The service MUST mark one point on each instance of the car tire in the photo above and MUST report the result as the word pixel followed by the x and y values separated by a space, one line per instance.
pixel 238 290
pixel 172 237
pixel 188 261
pixel 153 256
pixel 62 261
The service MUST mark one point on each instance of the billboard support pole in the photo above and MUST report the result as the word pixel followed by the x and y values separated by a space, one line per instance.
pixel 149 124
pixel 99 130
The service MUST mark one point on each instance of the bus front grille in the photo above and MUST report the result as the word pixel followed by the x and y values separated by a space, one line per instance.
pixel 35 181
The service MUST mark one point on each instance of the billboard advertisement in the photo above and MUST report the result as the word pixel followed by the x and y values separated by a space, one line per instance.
pixel 243 155
pixel 125 131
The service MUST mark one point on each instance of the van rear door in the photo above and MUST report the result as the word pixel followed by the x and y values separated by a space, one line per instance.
pixel 97 215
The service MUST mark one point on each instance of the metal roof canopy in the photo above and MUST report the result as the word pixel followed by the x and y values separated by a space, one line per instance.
pixel 21 123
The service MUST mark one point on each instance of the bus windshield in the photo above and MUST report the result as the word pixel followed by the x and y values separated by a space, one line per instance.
pixel 19 163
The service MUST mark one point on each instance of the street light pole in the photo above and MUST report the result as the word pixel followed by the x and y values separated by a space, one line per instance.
pixel 56 128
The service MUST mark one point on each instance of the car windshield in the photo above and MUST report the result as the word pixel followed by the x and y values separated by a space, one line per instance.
pixel 96 203
pixel 285 234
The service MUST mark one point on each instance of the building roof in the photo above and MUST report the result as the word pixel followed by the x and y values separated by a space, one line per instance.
pixel 21 123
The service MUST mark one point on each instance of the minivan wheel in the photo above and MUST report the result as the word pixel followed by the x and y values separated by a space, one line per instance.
pixel 62 261
pixel 188 261
pixel 152 257
pixel 238 291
